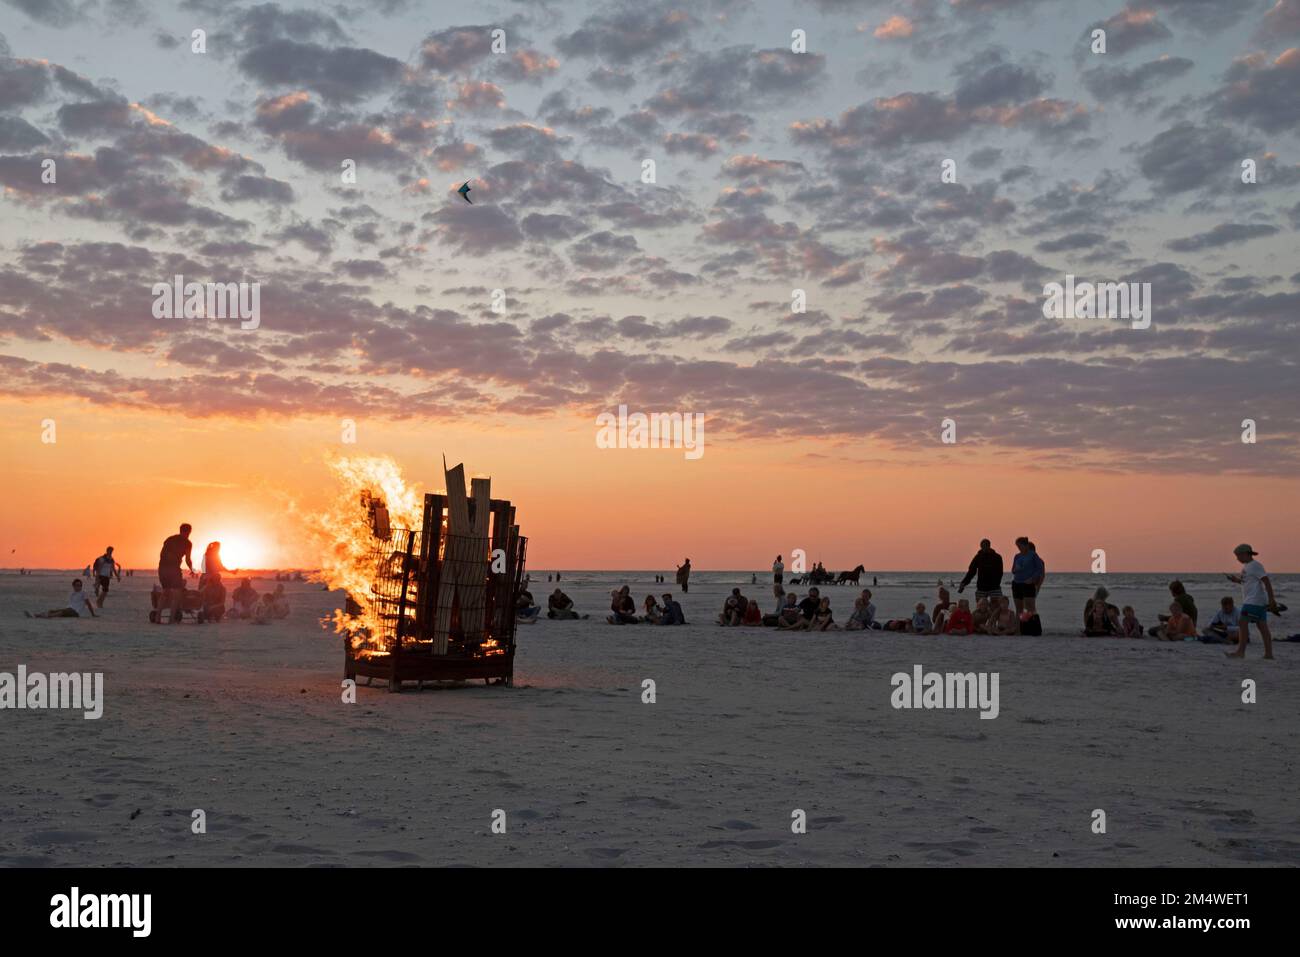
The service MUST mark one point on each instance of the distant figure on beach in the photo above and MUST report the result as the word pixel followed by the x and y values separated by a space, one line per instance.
pixel 77 606
pixel 106 569
pixel 557 576
pixel 684 576
pixel 1027 574
pixel 672 611
pixel 986 569
pixel 175 548
pixel 1257 600
pixel 244 600
pixel 560 606
pixel 778 577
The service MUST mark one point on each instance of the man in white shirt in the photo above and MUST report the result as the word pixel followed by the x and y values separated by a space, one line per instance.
pixel 1257 600
pixel 77 606
pixel 106 569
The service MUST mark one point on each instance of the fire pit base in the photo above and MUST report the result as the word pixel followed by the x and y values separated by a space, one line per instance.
pixel 400 667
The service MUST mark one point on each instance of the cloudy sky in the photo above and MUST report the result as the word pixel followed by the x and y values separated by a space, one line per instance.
pixel 774 171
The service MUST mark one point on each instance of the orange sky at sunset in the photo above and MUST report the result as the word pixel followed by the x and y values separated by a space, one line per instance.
pixel 128 479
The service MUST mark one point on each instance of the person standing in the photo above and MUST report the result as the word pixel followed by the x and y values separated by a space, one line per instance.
pixel 1027 574
pixel 106 569
pixel 1257 600
pixel 987 570
pixel 684 576
pixel 175 549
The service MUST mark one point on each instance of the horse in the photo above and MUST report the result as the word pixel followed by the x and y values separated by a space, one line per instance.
pixel 852 576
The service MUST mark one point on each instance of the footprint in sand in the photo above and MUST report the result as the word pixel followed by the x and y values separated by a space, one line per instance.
pixel 819 823
pixel 61 837
pixel 745 845
pixel 405 857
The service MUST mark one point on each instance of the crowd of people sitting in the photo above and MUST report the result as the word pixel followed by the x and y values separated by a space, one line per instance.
pixel 992 613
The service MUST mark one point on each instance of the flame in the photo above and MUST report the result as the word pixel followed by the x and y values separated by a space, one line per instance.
pixel 343 538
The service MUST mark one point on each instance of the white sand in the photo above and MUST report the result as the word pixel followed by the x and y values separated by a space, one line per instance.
pixel 246 722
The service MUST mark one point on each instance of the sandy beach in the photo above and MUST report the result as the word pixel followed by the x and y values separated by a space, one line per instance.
pixel 246 723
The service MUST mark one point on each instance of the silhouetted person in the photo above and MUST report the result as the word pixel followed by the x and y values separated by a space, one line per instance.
pixel 684 576
pixel 174 549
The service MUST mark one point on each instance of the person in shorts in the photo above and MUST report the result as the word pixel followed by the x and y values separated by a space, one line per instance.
pixel 175 549
pixel 1257 600
pixel 1027 572
pixel 106 569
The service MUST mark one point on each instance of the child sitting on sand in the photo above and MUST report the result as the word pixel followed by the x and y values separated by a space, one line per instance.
pixel 1131 627
pixel 942 608
pixel 1003 621
pixel 1099 620
pixel 731 612
pixel 652 615
pixel 279 603
pixel 753 615
pixel 980 616
pixel 1177 627
pixel 244 601
pixel 78 606
pixel 921 623
pixel 960 621
pixel 822 619
pixel 860 620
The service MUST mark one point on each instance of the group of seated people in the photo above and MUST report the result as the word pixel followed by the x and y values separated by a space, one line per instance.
pixel 1101 619
pixel 622 609
pixel 208 602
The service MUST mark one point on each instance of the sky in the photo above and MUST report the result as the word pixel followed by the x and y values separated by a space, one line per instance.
pixel 825 225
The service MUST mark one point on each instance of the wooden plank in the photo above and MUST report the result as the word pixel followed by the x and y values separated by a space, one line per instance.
pixel 430 565
pixel 457 525
pixel 473 584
